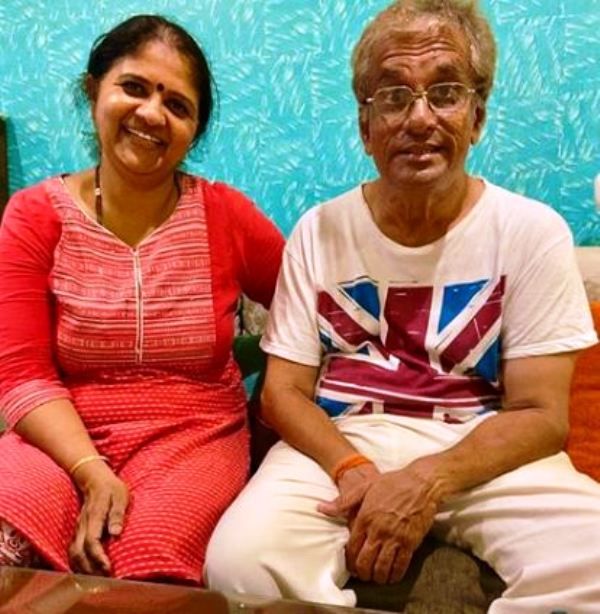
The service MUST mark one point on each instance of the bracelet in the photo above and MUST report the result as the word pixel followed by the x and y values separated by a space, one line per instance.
pixel 86 459
pixel 350 462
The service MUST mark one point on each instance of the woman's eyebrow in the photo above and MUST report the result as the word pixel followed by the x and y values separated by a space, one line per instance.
pixel 147 82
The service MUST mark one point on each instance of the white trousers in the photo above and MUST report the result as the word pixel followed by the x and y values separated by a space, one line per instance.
pixel 537 526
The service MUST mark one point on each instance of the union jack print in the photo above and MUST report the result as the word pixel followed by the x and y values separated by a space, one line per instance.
pixel 414 350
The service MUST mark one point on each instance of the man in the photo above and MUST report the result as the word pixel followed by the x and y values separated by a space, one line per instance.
pixel 421 343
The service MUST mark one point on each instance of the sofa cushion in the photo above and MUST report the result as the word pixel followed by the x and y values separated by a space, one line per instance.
pixel 583 445
pixel 441 579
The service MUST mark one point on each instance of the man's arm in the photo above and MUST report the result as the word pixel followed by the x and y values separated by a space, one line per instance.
pixel 399 508
pixel 532 424
pixel 288 408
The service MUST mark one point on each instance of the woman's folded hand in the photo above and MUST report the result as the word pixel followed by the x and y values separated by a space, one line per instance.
pixel 105 500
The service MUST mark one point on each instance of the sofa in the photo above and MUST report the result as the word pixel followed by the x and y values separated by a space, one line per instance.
pixel 444 579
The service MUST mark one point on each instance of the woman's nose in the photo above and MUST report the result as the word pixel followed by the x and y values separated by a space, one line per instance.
pixel 151 110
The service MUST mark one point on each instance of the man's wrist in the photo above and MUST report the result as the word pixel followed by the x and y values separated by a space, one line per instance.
pixel 431 470
pixel 346 464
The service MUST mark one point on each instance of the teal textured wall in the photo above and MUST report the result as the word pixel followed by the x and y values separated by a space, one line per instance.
pixel 286 132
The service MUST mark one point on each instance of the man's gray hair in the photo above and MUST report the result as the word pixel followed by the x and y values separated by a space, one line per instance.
pixel 464 14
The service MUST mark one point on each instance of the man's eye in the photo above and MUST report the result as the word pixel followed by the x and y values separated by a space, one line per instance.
pixel 396 97
pixel 446 94
pixel 132 88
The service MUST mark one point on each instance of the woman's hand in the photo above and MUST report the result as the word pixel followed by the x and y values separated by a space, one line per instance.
pixel 105 500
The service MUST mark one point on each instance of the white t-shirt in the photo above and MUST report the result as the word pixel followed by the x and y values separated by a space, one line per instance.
pixel 421 331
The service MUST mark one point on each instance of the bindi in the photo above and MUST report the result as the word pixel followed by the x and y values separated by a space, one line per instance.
pixel 160 87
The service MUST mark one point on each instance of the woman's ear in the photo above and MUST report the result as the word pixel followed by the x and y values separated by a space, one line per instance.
pixel 90 89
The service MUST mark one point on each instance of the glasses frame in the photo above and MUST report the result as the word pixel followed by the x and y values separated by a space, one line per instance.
pixel 415 95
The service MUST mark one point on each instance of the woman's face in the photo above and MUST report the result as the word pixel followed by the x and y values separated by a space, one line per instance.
pixel 145 109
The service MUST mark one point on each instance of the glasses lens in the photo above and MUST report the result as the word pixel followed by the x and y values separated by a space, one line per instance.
pixel 444 96
pixel 393 99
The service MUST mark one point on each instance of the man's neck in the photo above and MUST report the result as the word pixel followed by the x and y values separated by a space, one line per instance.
pixel 420 217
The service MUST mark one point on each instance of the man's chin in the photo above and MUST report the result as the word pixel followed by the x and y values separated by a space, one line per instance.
pixel 432 176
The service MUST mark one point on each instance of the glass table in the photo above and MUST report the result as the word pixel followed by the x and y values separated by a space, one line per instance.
pixel 32 591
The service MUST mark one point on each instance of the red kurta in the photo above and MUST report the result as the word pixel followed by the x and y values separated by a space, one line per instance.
pixel 140 340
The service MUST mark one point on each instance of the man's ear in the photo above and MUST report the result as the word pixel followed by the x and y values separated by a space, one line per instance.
pixel 364 128
pixel 478 122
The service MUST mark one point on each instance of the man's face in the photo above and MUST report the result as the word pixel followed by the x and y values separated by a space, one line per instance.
pixel 421 147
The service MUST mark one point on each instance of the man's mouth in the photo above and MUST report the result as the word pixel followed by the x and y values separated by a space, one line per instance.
pixel 419 150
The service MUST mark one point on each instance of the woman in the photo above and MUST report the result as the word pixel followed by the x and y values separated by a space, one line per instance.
pixel 127 430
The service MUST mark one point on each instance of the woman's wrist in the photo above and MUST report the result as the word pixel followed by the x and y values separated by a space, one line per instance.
pixel 91 458
pixel 90 473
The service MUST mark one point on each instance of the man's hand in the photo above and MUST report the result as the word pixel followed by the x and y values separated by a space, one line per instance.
pixel 352 488
pixel 105 500
pixel 397 511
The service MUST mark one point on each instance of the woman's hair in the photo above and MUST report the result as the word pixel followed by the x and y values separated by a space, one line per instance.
pixel 463 14
pixel 127 37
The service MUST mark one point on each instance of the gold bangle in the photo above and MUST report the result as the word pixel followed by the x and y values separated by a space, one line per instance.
pixel 350 462
pixel 86 459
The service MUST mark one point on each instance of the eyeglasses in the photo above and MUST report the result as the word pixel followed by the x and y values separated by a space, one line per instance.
pixel 442 98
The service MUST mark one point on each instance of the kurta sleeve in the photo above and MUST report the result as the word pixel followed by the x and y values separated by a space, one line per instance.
pixel 258 247
pixel 28 376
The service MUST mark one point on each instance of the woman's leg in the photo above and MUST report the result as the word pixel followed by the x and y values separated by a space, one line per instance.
pixel 178 492
pixel 38 501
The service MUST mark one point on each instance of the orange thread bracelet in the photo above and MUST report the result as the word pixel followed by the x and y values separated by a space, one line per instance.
pixel 350 462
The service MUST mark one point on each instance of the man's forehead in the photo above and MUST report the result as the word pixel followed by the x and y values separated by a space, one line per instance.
pixel 439 47
pixel 420 34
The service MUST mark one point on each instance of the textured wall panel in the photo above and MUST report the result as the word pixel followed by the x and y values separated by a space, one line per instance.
pixel 286 131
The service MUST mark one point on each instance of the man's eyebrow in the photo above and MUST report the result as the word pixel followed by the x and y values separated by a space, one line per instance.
pixel 450 71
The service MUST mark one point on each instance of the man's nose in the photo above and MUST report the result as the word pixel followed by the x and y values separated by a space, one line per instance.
pixel 420 116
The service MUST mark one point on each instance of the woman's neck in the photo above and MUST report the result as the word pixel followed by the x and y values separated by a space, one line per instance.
pixel 131 210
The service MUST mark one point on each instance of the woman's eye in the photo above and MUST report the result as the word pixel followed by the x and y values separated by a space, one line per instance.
pixel 178 108
pixel 133 88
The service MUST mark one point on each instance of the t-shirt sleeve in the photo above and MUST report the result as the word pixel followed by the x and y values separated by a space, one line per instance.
pixel 292 327
pixel 28 377
pixel 258 247
pixel 546 309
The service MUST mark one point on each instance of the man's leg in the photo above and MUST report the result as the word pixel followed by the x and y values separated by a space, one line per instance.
pixel 272 542
pixel 539 528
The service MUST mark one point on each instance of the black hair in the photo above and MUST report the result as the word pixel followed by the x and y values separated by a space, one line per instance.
pixel 128 36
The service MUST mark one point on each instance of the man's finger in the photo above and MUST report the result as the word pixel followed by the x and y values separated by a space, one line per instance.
pixel 331 508
pixel 358 536
pixel 365 560
pixel 343 505
pixel 400 564
pixel 382 568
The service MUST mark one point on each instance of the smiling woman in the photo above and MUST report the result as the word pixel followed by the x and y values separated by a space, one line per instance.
pixel 119 287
